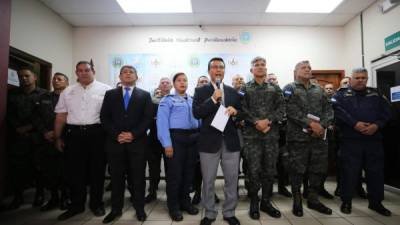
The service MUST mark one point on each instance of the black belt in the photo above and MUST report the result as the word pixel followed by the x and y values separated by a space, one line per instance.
pixel 83 127
pixel 184 131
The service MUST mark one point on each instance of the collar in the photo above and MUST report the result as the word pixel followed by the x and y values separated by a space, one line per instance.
pixel 253 82
pixel 299 83
pixel 128 86
pixel 175 94
pixel 221 86
pixel 35 90
pixel 87 86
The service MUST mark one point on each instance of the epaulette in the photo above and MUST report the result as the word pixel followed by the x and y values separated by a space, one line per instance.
pixel 348 92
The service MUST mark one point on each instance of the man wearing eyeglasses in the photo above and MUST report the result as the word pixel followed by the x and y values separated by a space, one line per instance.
pixel 217 147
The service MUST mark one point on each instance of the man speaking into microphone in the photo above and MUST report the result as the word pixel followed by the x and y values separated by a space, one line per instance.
pixel 215 146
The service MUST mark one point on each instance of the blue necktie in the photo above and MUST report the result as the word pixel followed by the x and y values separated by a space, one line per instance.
pixel 126 97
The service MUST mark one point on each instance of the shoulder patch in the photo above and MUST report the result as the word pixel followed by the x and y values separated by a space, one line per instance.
pixel 287 92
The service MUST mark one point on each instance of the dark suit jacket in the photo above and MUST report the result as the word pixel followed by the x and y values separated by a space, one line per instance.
pixel 136 118
pixel 204 108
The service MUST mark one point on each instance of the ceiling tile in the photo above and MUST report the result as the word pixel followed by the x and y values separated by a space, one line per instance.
pixel 228 18
pixel 353 6
pixel 229 6
pixel 296 19
pixel 162 19
pixel 84 6
pixel 336 19
pixel 206 12
pixel 97 19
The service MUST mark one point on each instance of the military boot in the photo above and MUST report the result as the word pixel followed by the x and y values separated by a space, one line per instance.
pixel 296 180
pixel 297 204
pixel 266 205
pixel 254 211
pixel 319 207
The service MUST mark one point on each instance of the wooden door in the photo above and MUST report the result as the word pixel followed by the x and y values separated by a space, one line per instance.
pixel 328 77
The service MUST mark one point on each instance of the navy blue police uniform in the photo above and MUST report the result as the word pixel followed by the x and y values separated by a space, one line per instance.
pixel 359 150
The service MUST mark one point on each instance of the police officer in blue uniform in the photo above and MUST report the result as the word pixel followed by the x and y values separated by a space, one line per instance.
pixel 178 132
pixel 361 113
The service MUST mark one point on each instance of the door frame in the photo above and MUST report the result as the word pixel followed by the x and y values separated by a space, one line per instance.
pixel 377 64
pixel 380 63
pixel 42 68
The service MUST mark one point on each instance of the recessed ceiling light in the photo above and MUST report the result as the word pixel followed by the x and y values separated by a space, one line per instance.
pixel 156 6
pixel 302 6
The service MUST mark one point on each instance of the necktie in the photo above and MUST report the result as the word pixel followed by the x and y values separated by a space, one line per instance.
pixel 126 97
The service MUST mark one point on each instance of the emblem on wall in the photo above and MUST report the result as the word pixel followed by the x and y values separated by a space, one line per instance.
pixel 118 62
pixel 194 61
pixel 245 37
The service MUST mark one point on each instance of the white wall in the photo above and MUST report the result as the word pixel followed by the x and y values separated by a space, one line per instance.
pixel 352 40
pixel 377 27
pixel 282 46
pixel 38 31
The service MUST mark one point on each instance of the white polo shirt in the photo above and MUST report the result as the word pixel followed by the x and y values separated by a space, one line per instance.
pixel 83 105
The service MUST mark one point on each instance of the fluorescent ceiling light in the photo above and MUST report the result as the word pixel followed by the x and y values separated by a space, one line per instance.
pixel 302 6
pixel 156 6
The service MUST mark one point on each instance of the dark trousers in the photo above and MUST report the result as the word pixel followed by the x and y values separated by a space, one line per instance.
pixel 180 169
pixel 281 167
pixel 357 155
pixel 338 173
pixel 154 154
pixel 85 164
pixel 197 178
pixel 52 167
pixel 21 167
pixel 127 160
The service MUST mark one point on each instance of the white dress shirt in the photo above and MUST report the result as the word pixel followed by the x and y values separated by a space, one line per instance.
pixel 130 90
pixel 82 105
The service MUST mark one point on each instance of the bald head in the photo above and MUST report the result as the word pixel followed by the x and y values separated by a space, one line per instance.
pixel 237 81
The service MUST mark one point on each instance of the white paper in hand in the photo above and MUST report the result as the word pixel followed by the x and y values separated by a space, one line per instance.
pixel 220 119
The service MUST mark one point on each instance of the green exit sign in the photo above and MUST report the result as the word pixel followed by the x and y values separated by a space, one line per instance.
pixel 392 41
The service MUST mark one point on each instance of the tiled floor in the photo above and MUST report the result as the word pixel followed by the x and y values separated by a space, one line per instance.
pixel 158 214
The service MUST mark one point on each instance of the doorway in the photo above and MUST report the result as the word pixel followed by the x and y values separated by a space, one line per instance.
pixel 17 60
pixel 386 74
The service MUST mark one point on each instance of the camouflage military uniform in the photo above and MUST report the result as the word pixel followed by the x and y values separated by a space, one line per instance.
pixel 261 101
pixel 21 152
pixel 50 159
pixel 306 153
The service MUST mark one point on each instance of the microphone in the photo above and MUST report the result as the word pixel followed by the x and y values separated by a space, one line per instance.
pixel 218 83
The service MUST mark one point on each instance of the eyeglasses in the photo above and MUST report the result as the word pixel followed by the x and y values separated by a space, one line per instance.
pixel 217 67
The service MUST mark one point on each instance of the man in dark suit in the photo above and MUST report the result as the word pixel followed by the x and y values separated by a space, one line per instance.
pixel 126 115
pixel 215 146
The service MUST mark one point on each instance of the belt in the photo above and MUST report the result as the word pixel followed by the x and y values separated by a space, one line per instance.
pixel 183 131
pixel 83 127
